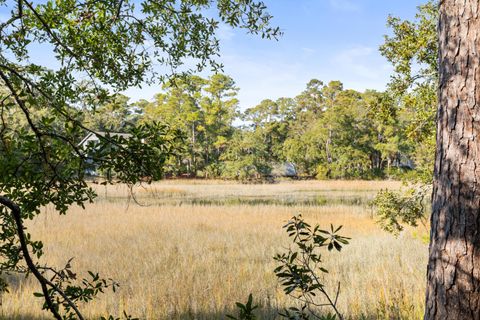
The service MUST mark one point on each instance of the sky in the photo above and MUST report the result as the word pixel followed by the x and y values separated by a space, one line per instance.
pixel 323 39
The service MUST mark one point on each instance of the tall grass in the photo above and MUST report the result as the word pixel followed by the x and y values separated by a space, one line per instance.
pixel 177 261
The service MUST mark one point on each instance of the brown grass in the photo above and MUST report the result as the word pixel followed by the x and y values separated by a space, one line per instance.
pixel 177 261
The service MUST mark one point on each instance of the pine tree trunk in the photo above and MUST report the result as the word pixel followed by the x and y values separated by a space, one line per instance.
pixel 453 289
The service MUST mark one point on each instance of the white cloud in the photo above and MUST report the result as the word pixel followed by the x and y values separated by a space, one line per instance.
pixel 344 5
pixel 274 75
pixel 363 67
pixel 308 52
pixel 225 32
pixel 354 59
pixel 268 79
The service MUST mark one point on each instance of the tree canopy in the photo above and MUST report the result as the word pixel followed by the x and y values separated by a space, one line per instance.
pixel 326 131
pixel 193 127
pixel 412 49
pixel 95 49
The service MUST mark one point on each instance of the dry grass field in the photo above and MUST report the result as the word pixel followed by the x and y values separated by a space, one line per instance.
pixel 194 248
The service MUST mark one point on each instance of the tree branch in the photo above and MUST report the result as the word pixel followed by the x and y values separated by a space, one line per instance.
pixel 17 216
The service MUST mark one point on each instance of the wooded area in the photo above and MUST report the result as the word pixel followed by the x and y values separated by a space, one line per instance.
pixel 326 132
pixel 423 129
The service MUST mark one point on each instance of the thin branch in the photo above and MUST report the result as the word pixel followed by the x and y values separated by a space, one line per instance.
pixel 62 112
pixel 17 216
pixel 337 294
pixel 16 213
pixel 14 18
pixel 25 111
pixel 49 30
pixel 314 276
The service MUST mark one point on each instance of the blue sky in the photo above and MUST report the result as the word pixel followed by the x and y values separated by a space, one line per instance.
pixel 324 39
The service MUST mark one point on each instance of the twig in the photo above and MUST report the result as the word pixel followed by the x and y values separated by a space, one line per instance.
pixel 17 216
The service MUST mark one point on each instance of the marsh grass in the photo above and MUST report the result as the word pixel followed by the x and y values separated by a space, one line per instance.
pixel 194 261
pixel 223 193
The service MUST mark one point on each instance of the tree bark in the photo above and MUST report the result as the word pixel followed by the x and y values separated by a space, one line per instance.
pixel 453 289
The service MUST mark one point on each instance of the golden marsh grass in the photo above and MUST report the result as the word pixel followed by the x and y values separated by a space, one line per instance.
pixel 177 260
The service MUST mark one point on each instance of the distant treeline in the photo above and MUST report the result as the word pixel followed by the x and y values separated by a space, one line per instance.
pixel 326 131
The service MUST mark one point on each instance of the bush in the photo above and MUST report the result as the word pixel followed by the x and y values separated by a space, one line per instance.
pixel 300 273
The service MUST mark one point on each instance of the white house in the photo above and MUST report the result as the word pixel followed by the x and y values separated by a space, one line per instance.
pixel 94 137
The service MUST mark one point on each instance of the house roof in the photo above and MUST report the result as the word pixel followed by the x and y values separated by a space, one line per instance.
pixel 93 136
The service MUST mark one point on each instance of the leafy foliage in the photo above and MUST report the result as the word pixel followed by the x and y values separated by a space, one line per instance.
pixel 398 208
pixel 203 110
pixel 300 273
pixel 412 50
pixel 246 158
pixel 326 131
pixel 245 311
pixel 98 49
pixel 67 293
pixel 300 270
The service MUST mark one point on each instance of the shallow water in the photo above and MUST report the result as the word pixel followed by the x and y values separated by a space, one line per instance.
pixel 298 198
